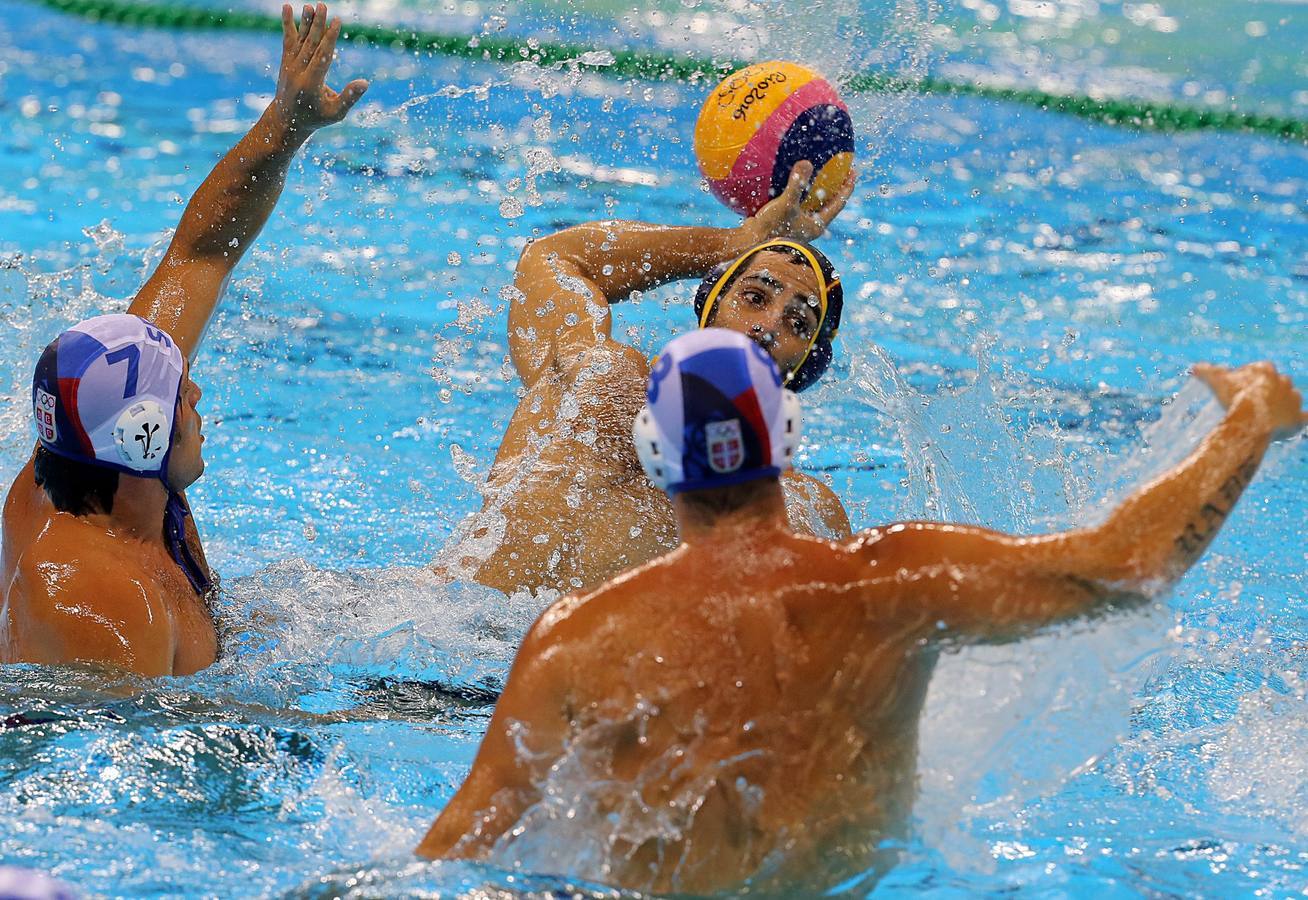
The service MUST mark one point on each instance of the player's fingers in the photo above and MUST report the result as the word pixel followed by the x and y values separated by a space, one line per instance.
pixel 832 205
pixel 804 171
pixel 800 176
pixel 302 30
pixel 350 96
pixel 1205 372
pixel 289 36
pixel 1217 379
pixel 316 31
pixel 322 57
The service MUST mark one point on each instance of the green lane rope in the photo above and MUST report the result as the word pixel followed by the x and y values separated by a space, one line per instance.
pixel 655 66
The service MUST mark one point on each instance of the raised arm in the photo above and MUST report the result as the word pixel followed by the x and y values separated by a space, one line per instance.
pixel 234 202
pixel 567 281
pixel 976 581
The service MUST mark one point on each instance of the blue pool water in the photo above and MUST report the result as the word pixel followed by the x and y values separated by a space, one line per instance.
pixel 1026 292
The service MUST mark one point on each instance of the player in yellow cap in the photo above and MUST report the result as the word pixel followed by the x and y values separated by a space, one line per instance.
pixel 567 505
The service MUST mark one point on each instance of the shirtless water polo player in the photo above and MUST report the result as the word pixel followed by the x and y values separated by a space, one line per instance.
pixel 746 707
pixel 101 561
pixel 566 503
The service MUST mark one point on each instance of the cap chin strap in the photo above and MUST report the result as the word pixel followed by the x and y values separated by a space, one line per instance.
pixel 712 299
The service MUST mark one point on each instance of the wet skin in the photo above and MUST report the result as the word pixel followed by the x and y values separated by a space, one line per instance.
pixel 566 503
pixel 101 587
pixel 774 301
pixel 711 722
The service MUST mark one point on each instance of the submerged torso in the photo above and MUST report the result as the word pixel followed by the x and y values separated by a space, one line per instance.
pixel 567 504
pixel 46 542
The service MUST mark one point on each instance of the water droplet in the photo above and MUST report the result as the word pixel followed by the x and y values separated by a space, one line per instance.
pixel 511 207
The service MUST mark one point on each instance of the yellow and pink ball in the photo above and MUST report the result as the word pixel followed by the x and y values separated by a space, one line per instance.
pixel 761 121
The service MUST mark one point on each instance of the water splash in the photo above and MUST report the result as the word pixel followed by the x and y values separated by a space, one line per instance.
pixel 35 306
pixel 966 460
pixel 317 628
pixel 1036 714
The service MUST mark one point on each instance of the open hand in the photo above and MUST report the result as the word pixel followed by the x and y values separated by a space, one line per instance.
pixel 1273 393
pixel 303 98
pixel 789 216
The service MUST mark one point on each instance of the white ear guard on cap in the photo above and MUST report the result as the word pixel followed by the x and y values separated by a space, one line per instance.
pixel 651 448
pixel 791 422
pixel 142 435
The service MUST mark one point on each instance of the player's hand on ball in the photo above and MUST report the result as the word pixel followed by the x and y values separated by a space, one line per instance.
pixel 789 216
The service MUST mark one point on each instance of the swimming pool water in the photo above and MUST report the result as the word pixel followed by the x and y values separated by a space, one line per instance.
pixel 1025 291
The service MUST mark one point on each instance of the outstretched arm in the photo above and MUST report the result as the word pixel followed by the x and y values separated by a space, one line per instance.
pixel 567 281
pixel 982 582
pixel 234 202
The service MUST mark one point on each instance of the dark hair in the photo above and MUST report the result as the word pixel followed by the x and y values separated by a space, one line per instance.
pixel 719 501
pixel 75 487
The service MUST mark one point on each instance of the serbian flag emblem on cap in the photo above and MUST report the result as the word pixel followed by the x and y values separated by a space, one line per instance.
pixel 44 415
pixel 726 447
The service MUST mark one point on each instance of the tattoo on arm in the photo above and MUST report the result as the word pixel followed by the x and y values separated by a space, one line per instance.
pixel 1200 530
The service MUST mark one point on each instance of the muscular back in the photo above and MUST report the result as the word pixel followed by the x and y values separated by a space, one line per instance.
pixel 744 709
pixel 759 725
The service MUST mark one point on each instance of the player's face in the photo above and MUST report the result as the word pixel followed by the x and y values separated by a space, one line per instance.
pixel 775 303
pixel 185 459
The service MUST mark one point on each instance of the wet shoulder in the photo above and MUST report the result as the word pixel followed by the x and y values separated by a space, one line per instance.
pixel 69 556
pixel 25 509
pixel 813 508
pixel 74 597
pixel 621 603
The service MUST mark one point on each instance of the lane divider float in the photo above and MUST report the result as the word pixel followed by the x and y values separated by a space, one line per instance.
pixel 652 65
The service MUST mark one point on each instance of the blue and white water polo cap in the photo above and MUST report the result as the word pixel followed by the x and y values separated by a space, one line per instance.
pixel 717 414
pixel 106 391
